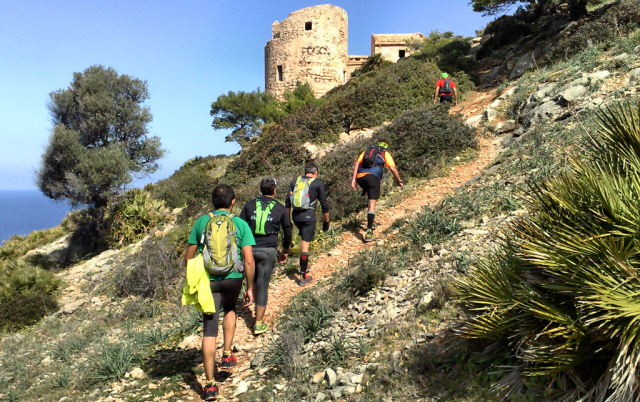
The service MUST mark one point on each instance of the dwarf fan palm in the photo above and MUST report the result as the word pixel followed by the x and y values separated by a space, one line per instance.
pixel 563 290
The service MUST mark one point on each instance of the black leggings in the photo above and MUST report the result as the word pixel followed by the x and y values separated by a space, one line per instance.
pixel 265 262
pixel 225 293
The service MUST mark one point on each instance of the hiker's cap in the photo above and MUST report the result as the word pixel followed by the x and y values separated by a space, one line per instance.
pixel 383 144
pixel 445 75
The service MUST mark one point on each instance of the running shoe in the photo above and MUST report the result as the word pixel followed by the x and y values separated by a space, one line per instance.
pixel 306 279
pixel 260 328
pixel 210 392
pixel 369 237
pixel 228 361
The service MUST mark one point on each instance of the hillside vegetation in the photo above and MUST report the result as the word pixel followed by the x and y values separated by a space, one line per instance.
pixel 518 285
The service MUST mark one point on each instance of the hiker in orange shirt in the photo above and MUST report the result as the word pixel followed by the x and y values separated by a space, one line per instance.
pixel 367 173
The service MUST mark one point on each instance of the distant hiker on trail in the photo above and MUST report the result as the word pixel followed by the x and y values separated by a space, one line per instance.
pixel 304 193
pixel 446 89
pixel 265 215
pixel 367 173
pixel 223 242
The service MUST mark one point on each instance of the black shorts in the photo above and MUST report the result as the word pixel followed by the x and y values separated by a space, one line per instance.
pixel 307 230
pixel 370 185
pixel 446 98
pixel 225 293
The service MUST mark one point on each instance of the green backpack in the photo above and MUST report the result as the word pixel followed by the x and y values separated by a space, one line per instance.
pixel 262 218
pixel 220 252
pixel 299 197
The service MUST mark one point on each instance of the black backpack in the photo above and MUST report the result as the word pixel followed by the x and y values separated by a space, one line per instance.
pixel 446 87
pixel 373 156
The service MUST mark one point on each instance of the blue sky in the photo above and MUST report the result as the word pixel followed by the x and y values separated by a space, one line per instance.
pixel 189 52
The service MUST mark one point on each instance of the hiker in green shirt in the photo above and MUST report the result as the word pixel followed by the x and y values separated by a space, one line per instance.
pixel 225 288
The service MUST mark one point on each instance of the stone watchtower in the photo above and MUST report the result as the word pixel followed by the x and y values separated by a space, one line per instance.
pixel 309 46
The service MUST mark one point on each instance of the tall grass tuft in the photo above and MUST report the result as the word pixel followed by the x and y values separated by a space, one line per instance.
pixel 562 292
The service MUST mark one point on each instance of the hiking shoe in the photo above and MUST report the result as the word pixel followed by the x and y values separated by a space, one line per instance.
pixel 260 328
pixel 210 392
pixel 228 361
pixel 306 279
pixel 369 237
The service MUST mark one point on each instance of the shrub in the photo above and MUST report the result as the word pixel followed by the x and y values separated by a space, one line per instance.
pixel 285 354
pixel 134 217
pixel 604 30
pixel 27 294
pixel 424 139
pixel 192 183
pixel 153 272
pixel 561 292
pixel 17 246
pixel 274 148
pixel 308 313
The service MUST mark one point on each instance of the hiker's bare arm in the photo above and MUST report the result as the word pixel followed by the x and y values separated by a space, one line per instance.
pixel 455 92
pixel 435 95
pixel 190 252
pixel 396 175
pixel 355 173
pixel 249 271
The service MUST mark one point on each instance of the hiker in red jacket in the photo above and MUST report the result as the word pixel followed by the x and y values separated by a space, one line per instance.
pixel 446 89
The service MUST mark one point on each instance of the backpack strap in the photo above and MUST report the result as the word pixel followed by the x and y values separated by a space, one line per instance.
pixel 262 216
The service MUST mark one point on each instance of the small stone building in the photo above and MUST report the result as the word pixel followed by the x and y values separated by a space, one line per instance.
pixel 311 46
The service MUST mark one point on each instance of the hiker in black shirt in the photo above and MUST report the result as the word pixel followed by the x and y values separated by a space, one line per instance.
pixel 265 216
pixel 304 194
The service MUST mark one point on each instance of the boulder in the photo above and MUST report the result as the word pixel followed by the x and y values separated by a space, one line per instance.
pixel 69 308
pixel 311 149
pixel 137 373
pixel 474 121
pixel 570 95
pixel 634 77
pixel 190 342
pixel 523 64
pixel 506 127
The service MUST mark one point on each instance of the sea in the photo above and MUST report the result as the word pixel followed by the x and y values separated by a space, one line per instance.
pixel 23 211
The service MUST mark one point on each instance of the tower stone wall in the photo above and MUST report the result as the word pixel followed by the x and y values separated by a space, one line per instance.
pixel 309 46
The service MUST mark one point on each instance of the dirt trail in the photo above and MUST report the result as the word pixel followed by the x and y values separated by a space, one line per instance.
pixel 282 288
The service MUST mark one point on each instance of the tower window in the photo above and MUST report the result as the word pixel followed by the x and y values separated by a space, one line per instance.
pixel 401 53
pixel 308 26
pixel 279 73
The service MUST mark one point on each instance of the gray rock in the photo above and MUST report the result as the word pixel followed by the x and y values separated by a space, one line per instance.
pixel 257 359
pixel 474 121
pixel 542 92
pixel 523 64
pixel 548 110
pixel 372 323
pixel 242 388
pixel 570 95
pixel 636 50
pixel 621 57
pixel 427 300
pixel 492 74
pixel 69 308
pixel 331 376
pixel 634 77
pixel 320 397
pixel 337 392
pixel 490 114
pixel 506 127
pixel 349 390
